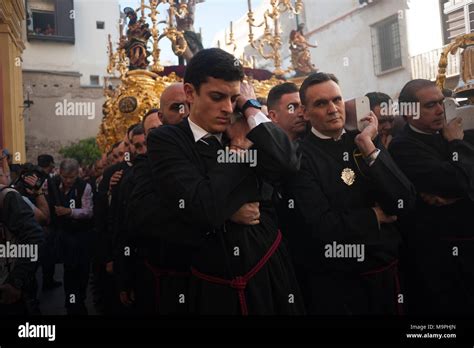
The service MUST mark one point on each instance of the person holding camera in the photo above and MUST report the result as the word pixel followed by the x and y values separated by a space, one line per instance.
pixel 17 226
pixel 30 185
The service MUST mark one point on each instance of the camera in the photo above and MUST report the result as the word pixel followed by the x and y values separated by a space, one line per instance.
pixel 27 170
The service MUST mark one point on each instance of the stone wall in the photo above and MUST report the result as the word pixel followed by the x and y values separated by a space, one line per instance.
pixel 62 111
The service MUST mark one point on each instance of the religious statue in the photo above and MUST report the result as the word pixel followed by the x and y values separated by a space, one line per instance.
pixel 186 25
pixel 135 46
pixel 300 55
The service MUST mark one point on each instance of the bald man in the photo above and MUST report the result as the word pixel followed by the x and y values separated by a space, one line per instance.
pixel 173 106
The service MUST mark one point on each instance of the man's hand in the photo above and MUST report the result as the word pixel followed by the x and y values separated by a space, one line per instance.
pixel 453 130
pixel 109 267
pixel 127 297
pixel 437 201
pixel 237 133
pixel 383 218
pixel 9 294
pixel 114 180
pixel 62 211
pixel 248 214
pixel 31 180
pixel 364 140
pixel 246 92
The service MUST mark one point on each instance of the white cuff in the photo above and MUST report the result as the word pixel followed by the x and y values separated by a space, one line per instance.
pixel 255 120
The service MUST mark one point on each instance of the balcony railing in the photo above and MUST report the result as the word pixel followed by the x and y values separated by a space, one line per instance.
pixel 425 65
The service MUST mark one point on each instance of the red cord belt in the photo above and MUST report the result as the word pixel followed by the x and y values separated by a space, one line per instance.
pixel 393 264
pixel 240 282
pixel 158 273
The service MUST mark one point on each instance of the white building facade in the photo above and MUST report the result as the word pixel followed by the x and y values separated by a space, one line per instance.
pixel 64 62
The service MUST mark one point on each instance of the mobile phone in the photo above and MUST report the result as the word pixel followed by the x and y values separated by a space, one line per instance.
pixel 362 105
pixel 452 110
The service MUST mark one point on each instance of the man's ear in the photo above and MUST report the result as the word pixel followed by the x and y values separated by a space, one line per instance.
pixel 303 110
pixel 160 116
pixel 272 116
pixel 190 92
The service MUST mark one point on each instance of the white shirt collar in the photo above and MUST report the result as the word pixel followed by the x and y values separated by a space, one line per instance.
pixel 200 133
pixel 322 136
pixel 413 128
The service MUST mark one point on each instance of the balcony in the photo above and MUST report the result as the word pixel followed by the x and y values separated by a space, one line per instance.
pixel 425 65
pixel 50 20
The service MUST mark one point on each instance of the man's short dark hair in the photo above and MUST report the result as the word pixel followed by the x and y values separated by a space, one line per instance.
pixel 212 62
pixel 44 161
pixel 408 92
pixel 131 129
pixel 315 79
pixel 117 144
pixel 278 91
pixel 377 98
pixel 138 130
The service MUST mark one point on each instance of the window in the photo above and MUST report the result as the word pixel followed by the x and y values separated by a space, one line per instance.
pixel 94 80
pixel 386 46
pixel 458 19
pixel 50 20
pixel 100 25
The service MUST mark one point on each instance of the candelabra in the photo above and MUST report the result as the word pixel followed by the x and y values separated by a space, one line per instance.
pixel 271 37
pixel 231 40
pixel 175 36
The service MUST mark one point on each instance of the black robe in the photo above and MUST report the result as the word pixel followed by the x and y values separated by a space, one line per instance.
pixel 324 209
pixel 438 281
pixel 158 268
pixel 201 195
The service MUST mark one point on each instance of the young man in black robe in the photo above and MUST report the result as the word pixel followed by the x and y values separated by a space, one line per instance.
pixel 107 301
pixel 157 268
pixel 345 199
pixel 438 157
pixel 237 267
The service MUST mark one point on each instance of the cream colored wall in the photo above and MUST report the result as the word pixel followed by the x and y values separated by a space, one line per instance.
pixel 12 14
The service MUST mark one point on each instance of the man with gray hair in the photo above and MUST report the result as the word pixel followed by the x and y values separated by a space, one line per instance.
pixel 71 206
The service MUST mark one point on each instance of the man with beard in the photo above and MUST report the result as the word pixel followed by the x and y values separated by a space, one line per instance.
pixel 345 199
pixel 237 267
pixel 438 157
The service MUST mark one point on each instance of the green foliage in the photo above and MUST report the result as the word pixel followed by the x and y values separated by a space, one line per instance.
pixel 85 151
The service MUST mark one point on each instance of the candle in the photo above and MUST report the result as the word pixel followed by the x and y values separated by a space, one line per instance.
pixel 231 31
pixel 249 4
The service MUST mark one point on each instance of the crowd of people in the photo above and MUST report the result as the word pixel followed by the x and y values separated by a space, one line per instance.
pixel 174 220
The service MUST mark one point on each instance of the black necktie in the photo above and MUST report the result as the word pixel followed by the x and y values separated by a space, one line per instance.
pixel 208 149
pixel 213 142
